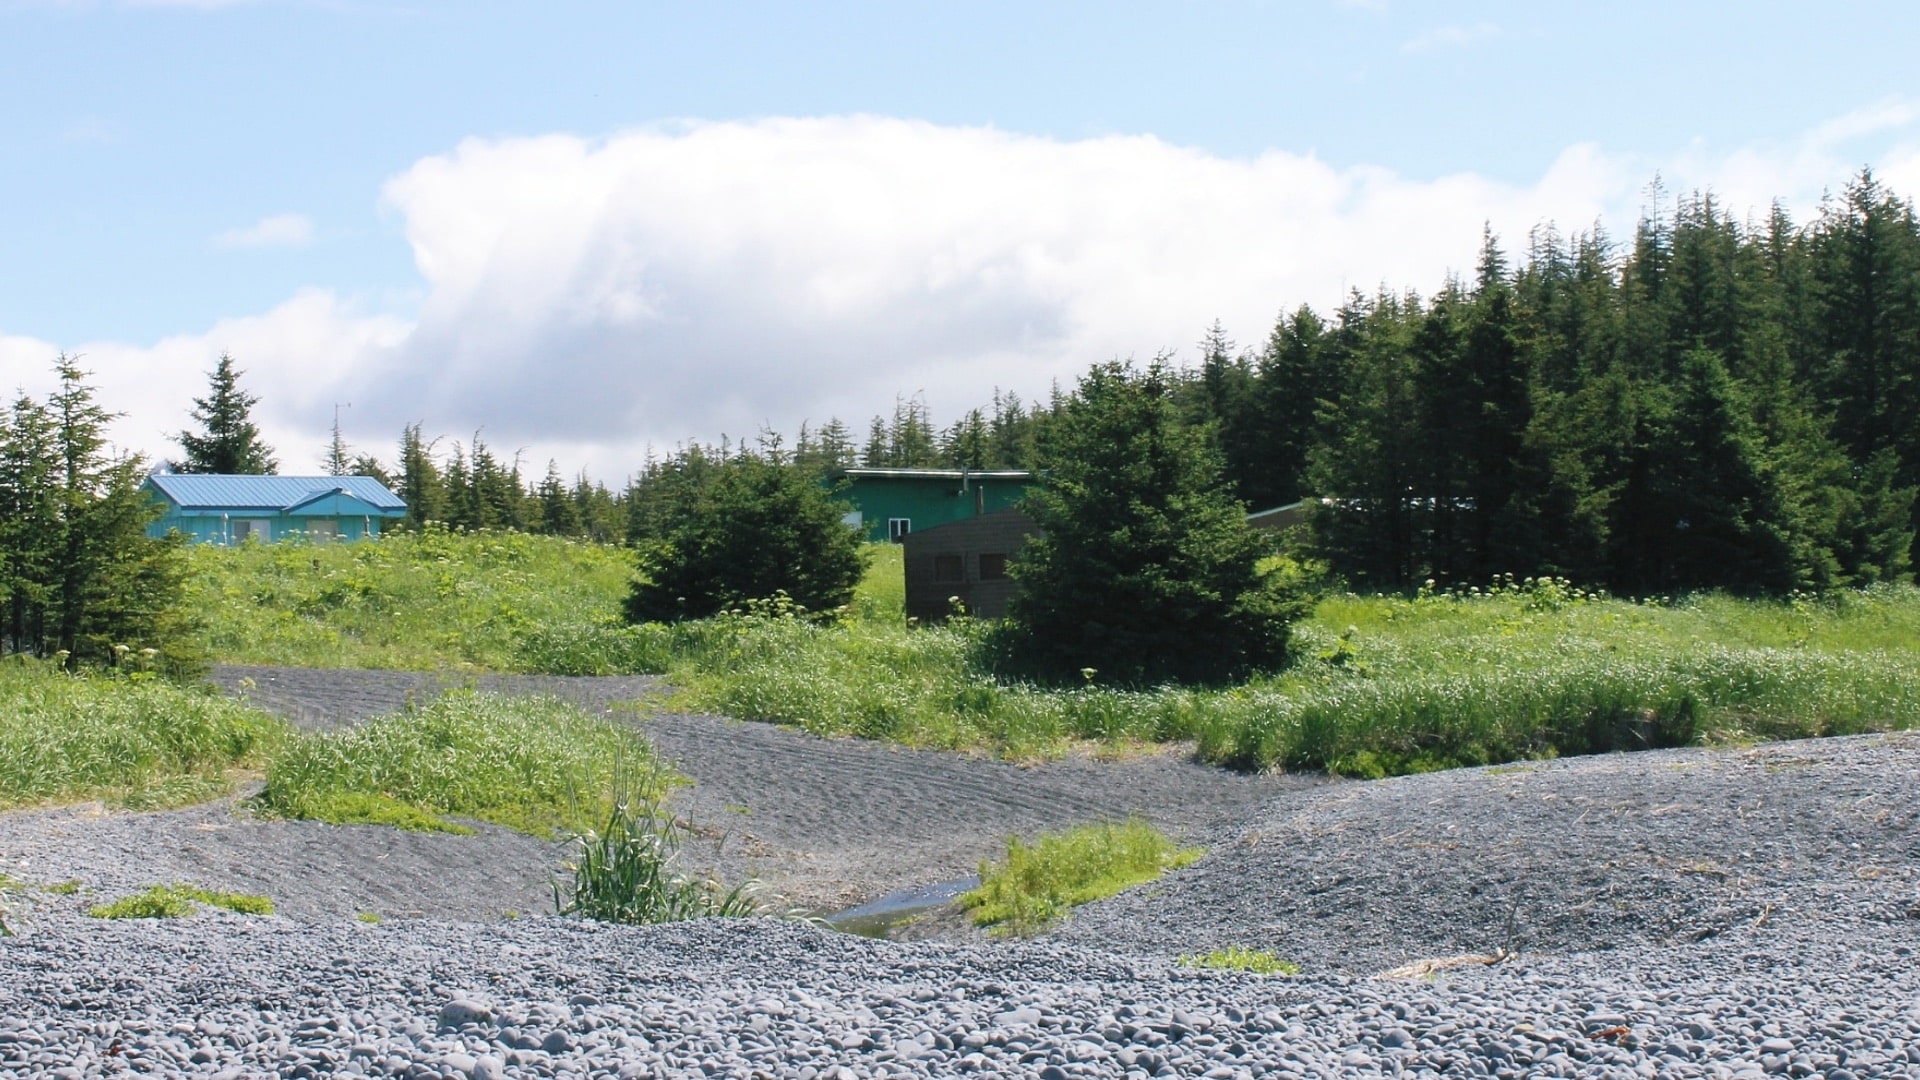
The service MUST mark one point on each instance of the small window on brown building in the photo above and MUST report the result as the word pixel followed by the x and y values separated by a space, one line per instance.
pixel 993 567
pixel 949 568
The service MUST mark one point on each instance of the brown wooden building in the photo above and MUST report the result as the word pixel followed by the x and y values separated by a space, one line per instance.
pixel 967 560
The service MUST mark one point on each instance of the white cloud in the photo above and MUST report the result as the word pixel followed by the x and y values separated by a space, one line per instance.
pixel 586 298
pixel 278 230
pixel 1451 37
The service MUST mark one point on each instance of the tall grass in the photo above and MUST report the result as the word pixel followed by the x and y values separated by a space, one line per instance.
pixel 626 870
pixel 430 600
pixel 1380 685
pixel 136 742
pixel 534 764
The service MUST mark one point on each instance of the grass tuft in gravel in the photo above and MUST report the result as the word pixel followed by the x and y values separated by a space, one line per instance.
pixel 531 764
pixel 1036 883
pixel 179 901
pixel 1241 958
pixel 626 873
pixel 138 741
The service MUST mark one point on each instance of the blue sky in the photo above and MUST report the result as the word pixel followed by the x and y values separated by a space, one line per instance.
pixel 593 227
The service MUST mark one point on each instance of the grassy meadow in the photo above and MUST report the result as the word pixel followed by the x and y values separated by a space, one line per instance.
pixel 1379 684
pixel 427 601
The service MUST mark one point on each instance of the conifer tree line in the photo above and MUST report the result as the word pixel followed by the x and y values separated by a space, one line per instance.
pixel 468 486
pixel 79 577
pixel 1708 403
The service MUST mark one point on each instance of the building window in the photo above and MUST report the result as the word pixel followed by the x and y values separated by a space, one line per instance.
pixel 322 530
pixel 993 567
pixel 949 568
pixel 244 529
pixel 898 528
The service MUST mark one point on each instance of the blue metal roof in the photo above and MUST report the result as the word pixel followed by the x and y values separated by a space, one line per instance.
pixel 204 491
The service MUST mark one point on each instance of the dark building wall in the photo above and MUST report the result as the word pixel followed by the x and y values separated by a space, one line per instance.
pixel 946 562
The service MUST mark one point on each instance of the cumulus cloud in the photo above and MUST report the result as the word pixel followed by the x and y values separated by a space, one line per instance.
pixel 278 230
pixel 585 298
pixel 717 276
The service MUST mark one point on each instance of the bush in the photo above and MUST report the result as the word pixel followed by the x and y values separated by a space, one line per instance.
pixel 755 529
pixel 1145 571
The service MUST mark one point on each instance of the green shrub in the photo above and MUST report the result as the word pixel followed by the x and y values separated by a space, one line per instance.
pixel 1036 883
pixel 530 764
pixel 178 901
pixel 139 742
pixel 752 529
pixel 625 871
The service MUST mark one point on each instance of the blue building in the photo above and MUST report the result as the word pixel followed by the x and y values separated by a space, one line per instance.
pixel 218 509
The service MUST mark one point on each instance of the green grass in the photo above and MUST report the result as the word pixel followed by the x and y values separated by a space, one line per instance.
pixel 1379 685
pixel 533 764
pixel 133 742
pixel 626 872
pixel 1036 883
pixel 1241 958
pixel 179 901
pixel 432 600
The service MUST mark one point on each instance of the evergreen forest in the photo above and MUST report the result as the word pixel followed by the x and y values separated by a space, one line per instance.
pixel 1706 404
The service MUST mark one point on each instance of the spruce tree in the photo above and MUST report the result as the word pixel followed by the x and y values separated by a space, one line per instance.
pixel 228 442
pixel 81 576
pixel 1145 570
pixel 753 528
pixel 422 487
pixel 559 516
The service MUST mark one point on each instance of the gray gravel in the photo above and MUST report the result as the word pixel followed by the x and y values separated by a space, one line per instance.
pixel 1659 848
pixel 236 997
pixel 1674 913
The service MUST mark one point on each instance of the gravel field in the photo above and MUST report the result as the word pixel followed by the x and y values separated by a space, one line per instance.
pixel 1673 913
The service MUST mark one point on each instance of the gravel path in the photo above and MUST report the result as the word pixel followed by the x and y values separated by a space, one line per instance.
pixel 1686 913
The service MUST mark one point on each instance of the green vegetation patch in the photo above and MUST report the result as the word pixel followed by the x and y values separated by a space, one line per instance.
pixel 533 764
pixel 1380 685
pixel 626 873
pixel 179 901
pixel 140 743
pixel 1036 883
pixel 1241 958
pixel 419 601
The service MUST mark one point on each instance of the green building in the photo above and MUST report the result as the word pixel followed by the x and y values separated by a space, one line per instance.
pixel 891 503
